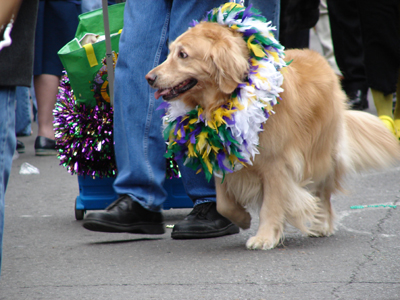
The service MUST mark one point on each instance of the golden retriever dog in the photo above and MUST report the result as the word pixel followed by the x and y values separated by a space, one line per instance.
pixel 306 147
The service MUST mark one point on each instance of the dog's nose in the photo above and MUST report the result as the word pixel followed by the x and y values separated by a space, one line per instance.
pixel 151 78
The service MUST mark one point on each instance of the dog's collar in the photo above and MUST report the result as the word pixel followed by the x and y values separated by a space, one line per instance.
pixel 230 140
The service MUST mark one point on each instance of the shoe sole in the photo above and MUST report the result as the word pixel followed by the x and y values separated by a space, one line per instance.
pixel 185 235
pixel 45 152
pixel 141 228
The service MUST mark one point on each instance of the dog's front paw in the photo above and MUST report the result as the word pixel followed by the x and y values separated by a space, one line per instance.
pixel 261 243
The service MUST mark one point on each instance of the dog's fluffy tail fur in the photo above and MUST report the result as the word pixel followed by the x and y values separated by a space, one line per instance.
pixel 370 143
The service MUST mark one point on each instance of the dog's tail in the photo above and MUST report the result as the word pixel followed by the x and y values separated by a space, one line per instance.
pixel 370 143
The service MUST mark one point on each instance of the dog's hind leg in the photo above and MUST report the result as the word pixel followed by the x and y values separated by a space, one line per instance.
pixel 326 215
pixel 230 208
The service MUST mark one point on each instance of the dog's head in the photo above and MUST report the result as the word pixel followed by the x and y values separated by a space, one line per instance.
pixel 205 65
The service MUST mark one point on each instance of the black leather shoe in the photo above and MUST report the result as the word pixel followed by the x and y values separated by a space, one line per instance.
pixel 45 146
pixel 20 147
pixel 125 215
pixel 203 222
pixel 358 99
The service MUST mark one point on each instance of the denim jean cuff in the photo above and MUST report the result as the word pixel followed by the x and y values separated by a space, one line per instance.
pixel 201 201
pixel 152 208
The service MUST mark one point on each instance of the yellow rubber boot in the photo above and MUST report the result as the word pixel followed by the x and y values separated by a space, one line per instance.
pixel 389 123
pixel 383 104
pixel 384 107
pixel 396 112
pixel 397 127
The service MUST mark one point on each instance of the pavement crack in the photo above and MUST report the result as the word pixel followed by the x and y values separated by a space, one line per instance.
pixel 367 257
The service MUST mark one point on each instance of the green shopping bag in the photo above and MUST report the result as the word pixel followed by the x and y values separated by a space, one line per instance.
pixel 86 64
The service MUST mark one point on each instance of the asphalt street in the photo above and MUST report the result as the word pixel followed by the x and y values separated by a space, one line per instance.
pixel 47 254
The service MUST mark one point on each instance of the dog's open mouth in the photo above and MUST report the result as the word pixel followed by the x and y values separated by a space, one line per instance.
pixel 171 93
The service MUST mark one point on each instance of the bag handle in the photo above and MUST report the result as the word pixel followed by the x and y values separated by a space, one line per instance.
pixel 91 56
pixel 109 59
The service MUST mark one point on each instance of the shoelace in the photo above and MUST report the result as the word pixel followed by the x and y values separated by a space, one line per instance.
pixel 201 210
pixel 118 201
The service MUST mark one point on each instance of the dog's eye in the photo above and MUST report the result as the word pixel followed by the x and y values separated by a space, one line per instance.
pixel 182 54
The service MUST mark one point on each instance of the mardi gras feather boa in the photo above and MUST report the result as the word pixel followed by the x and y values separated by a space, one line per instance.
pixel 230 139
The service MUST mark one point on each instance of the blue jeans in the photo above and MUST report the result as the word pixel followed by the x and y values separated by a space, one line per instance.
pixel 271 9
pixel 23 111
pixel 89 5
pixel 7 147
pixel 139 145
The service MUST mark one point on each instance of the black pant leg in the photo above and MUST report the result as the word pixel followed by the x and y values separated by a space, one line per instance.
pixel 347 43
pixel 381 40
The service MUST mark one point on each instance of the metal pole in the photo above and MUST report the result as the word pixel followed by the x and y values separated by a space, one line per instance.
pixel 109 58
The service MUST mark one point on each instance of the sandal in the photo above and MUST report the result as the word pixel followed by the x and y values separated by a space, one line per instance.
pixel 389 123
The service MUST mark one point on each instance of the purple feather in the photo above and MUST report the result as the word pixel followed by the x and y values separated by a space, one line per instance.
pixel 178 121
pixel 193 23
pixel 247 13
pixel 249 32
pixel 193 134
pixel 221 158
pixel 229 121
pixel 163 105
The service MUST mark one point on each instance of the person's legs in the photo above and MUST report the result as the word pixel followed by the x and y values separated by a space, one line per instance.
pixel 396 112
pixel 139 146
pixel 22 115
pixel 46 88
pixel 34 102
pixel 204 221
pixel 296 19
pixel 141 170
pixel 182 13
pixel 270 9
pixel 348 48
pixel 7 148
pixel 384 106
pixel 56 25
pixel 381 38
pixel 23 112
pixel 323 32
pixel 89 5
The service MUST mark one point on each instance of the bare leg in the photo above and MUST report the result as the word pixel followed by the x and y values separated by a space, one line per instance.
pixel 46 88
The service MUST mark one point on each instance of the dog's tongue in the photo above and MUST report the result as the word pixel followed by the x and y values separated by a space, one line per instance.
pixel 160 93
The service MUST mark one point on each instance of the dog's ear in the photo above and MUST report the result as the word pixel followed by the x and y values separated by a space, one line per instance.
pixel 230 58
